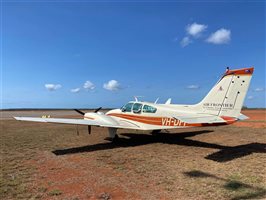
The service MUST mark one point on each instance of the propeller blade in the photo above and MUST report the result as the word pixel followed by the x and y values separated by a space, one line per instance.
pixel 89 129
pixel 80 112
pixel 77 130
pixel 98 109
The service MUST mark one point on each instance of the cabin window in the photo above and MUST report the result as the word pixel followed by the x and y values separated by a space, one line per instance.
pixel 127 107
pixel 149 109
pixel 137 108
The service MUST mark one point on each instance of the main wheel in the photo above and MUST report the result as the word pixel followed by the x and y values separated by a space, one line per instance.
pixel 112 139
pixel 115 139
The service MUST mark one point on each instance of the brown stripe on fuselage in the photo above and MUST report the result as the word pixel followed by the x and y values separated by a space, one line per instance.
pixel 159 120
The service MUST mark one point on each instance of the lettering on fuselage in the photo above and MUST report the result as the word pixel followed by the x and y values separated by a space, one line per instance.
pixel 217 106
pixel 166 121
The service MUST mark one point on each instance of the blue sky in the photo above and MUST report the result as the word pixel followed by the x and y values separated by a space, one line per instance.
pixel 120 50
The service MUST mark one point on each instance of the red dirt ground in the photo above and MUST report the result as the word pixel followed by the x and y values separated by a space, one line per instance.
pixel 201 163
pixel 81 177
pixel 257 119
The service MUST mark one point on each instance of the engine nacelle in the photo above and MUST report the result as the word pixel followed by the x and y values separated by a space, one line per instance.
pixel 101 118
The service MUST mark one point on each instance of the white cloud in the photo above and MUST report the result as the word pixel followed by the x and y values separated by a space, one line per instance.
pixel 250 97
pixel 259 89
pixel 193 87
pixel 185 41
pixel 112 85
pixel 75 90
pixel 88 85
pixel 52 87
pixel 221 36
pixel 195 29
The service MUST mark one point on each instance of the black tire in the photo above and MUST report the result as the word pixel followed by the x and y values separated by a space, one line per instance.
pixel 115 139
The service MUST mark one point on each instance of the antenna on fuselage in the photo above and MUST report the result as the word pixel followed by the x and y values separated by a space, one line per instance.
pixel 136 98
pixel 168 101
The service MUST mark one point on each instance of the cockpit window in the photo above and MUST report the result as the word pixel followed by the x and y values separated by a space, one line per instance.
pixel 149 109
pixel 127 107
pixel 137 107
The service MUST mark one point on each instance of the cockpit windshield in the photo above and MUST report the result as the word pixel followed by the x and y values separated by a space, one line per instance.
pixel 149 109
pixel 127 107
pixel 137 107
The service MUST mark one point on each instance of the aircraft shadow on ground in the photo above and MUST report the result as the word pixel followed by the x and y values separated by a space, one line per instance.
pixel 225 153
pixel 240 190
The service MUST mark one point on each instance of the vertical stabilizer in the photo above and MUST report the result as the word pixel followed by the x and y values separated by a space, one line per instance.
pixel 227 96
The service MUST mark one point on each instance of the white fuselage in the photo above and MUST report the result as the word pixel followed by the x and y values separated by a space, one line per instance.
pixel 165 117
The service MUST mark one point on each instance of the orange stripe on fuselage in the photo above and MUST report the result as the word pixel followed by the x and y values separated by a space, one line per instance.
pixel 142 119
pixel 166 121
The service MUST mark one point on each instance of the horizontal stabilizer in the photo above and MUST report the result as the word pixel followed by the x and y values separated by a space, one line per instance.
pixel 242 117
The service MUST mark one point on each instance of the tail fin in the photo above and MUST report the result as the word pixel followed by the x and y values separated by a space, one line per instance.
pixel 227 96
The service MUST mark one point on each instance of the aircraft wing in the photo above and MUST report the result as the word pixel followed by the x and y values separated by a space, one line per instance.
pixel 111 124
pixel 58 120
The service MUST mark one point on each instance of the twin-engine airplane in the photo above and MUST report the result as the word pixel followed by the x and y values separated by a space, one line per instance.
pixel 221 106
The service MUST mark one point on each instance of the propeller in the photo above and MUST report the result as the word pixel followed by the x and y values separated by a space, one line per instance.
pixel 82 113
pixel 98 109
pixel 89 129
pixel 77 130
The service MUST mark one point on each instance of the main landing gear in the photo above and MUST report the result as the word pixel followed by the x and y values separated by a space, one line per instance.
pixel 113 137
